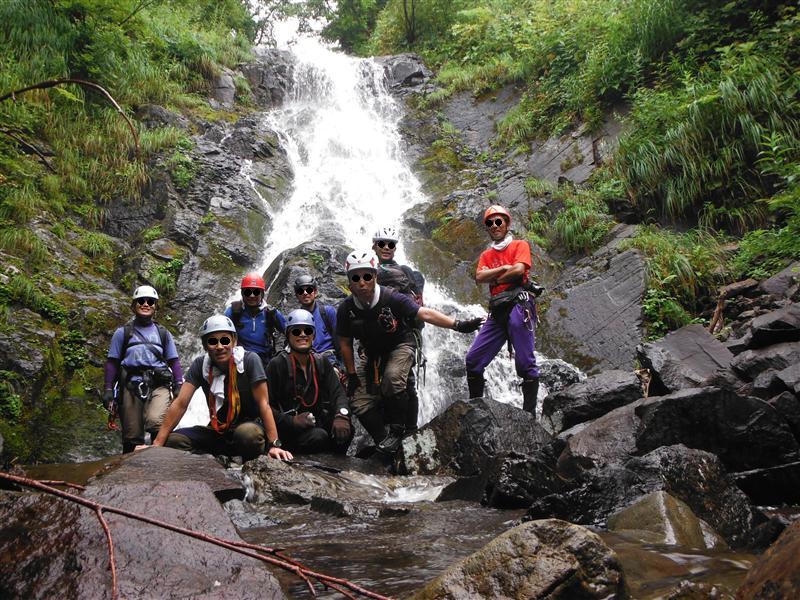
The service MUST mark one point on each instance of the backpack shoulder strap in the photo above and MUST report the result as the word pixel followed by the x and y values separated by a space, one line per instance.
pixel 326 318
pixel 236 313
pixel 127 332
pixel 163 333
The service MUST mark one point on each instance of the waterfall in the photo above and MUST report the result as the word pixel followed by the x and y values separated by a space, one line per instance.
pixel 340 129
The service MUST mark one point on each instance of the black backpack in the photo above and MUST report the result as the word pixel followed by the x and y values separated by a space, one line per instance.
pixel 396 278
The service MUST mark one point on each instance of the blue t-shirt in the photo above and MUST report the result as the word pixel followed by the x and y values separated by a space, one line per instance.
pixel 323 339
pixel 141 352
pixel 252 331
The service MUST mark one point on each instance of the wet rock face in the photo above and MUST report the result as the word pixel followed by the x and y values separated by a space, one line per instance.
pixel 596 325
pixel 750 363
pixel 541 559
pixel 589 399
pixel 746 433
pixel 63 552
pixel 776 574
pixel 692 476
pixel 270 77
pixel 465 439
pixel 404 72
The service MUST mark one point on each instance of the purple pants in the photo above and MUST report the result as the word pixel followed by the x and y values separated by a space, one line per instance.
pixel 520 328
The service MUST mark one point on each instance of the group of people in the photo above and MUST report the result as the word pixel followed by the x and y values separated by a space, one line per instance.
pixel 289 384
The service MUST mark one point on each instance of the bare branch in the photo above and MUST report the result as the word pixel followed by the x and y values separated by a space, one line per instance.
pixel 236 546
pixel 54 82
pixel 111 560
pixel 28 146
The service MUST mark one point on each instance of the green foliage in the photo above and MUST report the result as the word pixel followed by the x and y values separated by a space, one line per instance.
pixel 165 277
pixel 583 223
pixel 538 188
pixel 10 400
pixel 683 270
pixel 153 233
pixel 182 168
pixel 693 150
pixel 73 349
pixel 96 244
pixel 28 293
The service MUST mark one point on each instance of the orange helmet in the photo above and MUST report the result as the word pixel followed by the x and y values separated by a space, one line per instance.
pixel 497 210
pixel 253 280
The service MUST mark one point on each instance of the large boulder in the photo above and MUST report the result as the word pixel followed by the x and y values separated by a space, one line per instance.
pixel 750 363
pixel 746 433
pixel 404 71
pixel 515 481
pixel 687 358
pixel 660 518
pixel 63 552
pixel 771 485
pixel 589 399
pixel 695 477
pixel 776 574
pixel 270 76
pixel 465 439
pixel 775 327
pixel 596 325
pixel 783 284
pixel 542 559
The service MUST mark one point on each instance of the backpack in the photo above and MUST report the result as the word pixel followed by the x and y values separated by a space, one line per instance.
pixel 403 279
pixel 272 328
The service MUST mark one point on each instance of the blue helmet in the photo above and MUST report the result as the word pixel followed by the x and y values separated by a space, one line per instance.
pixel 299 317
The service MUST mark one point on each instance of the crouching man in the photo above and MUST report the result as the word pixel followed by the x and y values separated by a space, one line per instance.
pixel 309 404
pixel 235 387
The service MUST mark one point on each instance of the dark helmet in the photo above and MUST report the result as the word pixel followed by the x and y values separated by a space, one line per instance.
pixel 303 281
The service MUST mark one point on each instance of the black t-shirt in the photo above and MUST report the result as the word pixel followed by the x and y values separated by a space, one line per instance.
pixel 363 324
pixel 285 401
pixel 253 373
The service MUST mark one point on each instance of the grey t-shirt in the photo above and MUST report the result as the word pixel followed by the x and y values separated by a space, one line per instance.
pixel 253 374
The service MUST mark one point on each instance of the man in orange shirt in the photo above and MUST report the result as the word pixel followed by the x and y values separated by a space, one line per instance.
pixel 512 309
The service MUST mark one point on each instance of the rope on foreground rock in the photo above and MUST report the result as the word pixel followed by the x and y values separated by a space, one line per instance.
pixel 252 550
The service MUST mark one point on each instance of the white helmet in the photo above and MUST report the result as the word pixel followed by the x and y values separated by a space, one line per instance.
pixel 145 291
pixel 299 316
pixel 361 260
pixel 217 323
pixel 388 233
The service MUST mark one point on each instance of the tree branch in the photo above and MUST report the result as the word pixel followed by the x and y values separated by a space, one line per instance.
pixel 29 146
pixel 236 546
pixel 112 561
pixel 54 82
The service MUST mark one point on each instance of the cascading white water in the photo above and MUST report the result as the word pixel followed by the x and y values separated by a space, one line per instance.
pixel 340 130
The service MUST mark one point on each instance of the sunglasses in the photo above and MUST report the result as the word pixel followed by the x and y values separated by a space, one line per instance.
pixel 383 244
pixel 223 341
pixel 305 290
pixel 148 301
pixel 365 277
pixel 496 222
pixel 251 292
pixel 302 330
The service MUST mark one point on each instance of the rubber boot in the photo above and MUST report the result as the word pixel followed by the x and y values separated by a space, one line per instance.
pixel 530 391
pixel 475 383
pixel 372 420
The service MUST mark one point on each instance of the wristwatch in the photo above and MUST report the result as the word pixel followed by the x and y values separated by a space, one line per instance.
pixel 276 443
pixel 343 412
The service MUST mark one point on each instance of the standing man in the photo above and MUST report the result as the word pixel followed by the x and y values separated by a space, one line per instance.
pixel 325 342
pixel 380 318
pixel 308 402
pixel 505 266
pixel 144 368
pixel 235 387
pixel 258 325
pixel 407 281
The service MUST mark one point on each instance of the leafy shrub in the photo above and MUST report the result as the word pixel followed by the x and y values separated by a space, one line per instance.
pixel 165 277
pixel 96 244
pixel 73 349
pixel 583 223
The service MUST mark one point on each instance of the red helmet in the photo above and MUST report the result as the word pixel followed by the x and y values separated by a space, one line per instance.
pixel 497 210
pixel 253 280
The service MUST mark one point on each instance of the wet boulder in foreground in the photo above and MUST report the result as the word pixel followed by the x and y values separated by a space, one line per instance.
pixel 464 440
pixel 60 551
pixel 692 476
pixel 776 574
pixel 541 559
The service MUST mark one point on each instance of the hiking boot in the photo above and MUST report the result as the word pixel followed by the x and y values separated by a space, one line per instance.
pixel 530 393
pixel 475 383
pixel 391 443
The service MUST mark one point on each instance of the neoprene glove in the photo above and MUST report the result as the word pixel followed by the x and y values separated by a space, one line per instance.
pixel 341 430
pixel 468 325
pixel 108 398
pixel 353 383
